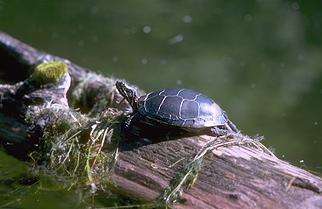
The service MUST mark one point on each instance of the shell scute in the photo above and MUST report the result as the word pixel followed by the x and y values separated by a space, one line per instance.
pixel 170 106
pixel 182 107
pixel 189 109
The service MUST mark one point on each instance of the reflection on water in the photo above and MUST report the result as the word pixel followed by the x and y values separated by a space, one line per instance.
pixel 261 61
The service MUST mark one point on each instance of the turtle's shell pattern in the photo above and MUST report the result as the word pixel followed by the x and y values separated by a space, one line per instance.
pixel 181 107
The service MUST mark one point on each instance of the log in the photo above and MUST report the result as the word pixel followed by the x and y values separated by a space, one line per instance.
pixel 236 176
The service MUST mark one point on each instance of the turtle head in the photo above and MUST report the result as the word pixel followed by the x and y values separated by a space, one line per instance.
pixel 128 93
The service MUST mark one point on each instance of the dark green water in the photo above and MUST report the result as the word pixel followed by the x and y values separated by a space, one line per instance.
pixel 260 60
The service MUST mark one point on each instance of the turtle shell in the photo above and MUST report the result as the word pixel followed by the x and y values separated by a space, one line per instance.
pixel 181 107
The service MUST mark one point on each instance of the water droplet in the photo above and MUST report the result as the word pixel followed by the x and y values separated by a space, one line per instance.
pixel 115 59
pixel 301 161
pixel 253 85
pixel 316 123
pixel 179 82
pixel 144 61
pixel 187 19
pixel 146 29
pixel 177 39
pixel 248 17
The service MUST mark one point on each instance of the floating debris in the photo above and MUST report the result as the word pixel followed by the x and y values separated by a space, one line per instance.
pixel 144 61
pixel 187 19
pixel 115 59
pixel 176 39
pixel 146 29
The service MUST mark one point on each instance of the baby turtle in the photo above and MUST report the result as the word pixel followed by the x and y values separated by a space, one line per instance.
pixel 176 109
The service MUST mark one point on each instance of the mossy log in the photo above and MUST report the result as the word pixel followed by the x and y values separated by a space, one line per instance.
pixel 230 177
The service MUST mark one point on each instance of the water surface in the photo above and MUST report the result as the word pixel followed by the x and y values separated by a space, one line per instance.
pixel 260 60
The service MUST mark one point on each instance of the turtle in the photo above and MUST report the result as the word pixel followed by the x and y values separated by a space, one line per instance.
pixel 175 110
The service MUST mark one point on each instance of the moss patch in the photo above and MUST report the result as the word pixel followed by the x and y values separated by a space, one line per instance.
pixel 50 72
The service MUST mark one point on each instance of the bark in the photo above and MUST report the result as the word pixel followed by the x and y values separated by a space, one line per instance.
pixel 230 177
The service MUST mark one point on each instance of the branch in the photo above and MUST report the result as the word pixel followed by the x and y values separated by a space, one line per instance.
pixel 236 176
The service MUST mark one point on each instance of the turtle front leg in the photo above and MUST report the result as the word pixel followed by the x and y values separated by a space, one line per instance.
pixel 130 125
pixel 216 131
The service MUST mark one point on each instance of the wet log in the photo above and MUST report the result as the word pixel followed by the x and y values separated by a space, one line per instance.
pixel 230 177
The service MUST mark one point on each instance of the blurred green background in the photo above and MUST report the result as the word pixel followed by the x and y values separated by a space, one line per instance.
pixel 260 60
